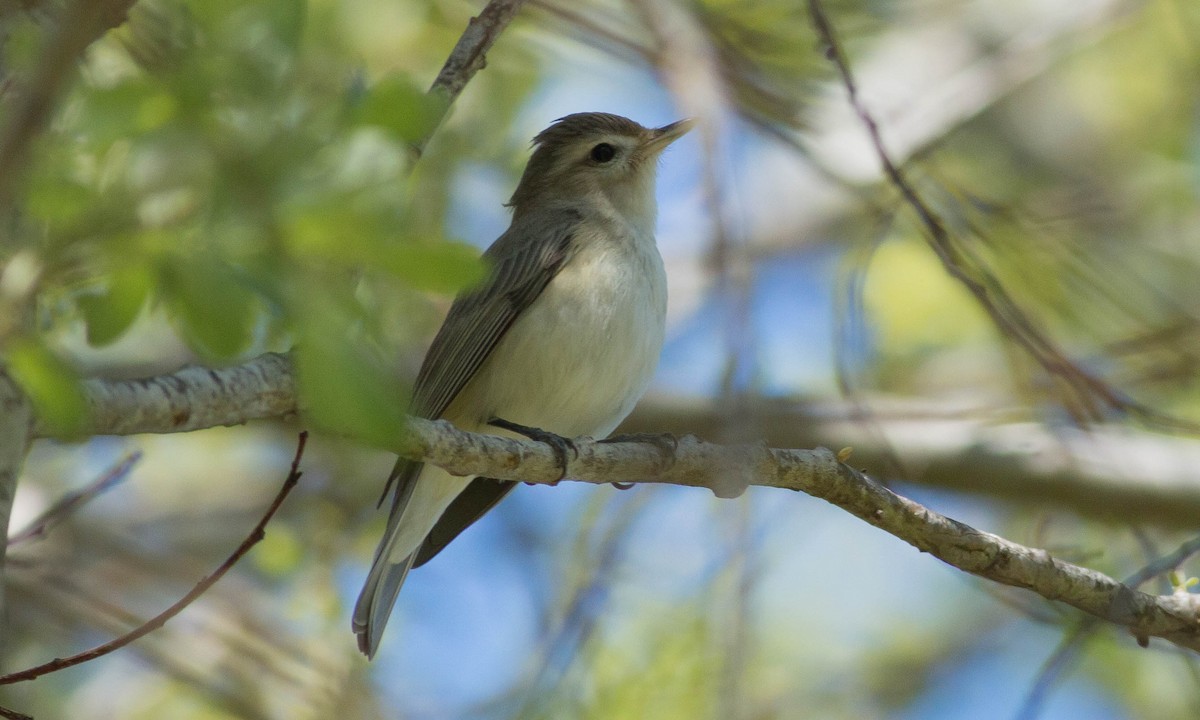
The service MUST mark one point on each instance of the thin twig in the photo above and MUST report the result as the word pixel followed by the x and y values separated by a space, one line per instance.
pixel 1004 312
pixel 13 714
pixel 469 55
pixel 71 502
pixel 1166 563
pixel 161 619
pixel 1054 666
pixel 1072 644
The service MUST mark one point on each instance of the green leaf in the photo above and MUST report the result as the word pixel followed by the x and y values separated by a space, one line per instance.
pixel 216 310
pixel 442 266
pixel 336 234
pixel 109 312
pixel 341 389
pixel 51 384
pixel 280 553
pixel 58 201
pixel 397 105
pixel 132 107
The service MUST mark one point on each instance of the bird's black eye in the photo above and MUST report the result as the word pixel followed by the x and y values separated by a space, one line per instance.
pixel 603 152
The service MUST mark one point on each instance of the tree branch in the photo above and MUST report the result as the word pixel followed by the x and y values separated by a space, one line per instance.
pixel 727 470
pixel 1089 390
pixel 212 397
pixel 1110 472
pixel 255 536
pixel 193 398
pixel 1102 472
pixel 469 54
pixel 16 422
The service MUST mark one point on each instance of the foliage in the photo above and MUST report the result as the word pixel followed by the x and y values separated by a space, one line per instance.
pixel 236 167
pixel 242 176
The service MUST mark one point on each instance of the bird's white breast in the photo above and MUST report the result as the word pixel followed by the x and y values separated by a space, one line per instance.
pixel 577 360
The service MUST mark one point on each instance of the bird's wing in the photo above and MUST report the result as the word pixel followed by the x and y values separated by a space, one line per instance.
pixel 470 505
pixel 523 261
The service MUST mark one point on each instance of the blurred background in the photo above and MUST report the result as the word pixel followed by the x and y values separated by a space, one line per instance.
pixel 223 179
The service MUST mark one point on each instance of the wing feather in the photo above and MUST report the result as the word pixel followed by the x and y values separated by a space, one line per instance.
pixel 478 319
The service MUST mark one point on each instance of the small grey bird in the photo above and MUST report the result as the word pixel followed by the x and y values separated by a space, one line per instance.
pixel 563 336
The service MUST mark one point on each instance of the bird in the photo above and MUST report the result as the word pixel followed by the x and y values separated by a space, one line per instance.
pixel 559 341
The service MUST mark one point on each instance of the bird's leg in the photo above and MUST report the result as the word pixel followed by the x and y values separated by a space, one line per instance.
pixel 666 443
pixel 559 444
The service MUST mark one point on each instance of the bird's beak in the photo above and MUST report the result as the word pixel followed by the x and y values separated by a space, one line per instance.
pixel 661 137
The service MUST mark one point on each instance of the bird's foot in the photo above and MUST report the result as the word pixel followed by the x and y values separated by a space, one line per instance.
pixel 559 444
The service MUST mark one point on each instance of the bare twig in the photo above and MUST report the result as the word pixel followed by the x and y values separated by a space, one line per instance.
pixel 1004 312
pixel 469 55
pixel 161 619
pixel 1074 640
pixel 13 714
pixel 71 502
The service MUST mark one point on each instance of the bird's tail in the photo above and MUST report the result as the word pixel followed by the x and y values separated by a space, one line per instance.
pixel 383 583
pixel 376 600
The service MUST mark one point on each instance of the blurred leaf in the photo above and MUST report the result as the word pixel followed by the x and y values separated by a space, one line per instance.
pixel 915 305
pixel 109 312
pixel 217 311
pixel 22 42
pixel 397 105
pixel 443 266
pixel 51 384
pixel 58 201
pixel 280 553
pixel 336 234
pixel 342 389
pixel 131 107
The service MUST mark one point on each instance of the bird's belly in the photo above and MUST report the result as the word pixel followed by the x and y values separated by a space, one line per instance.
pixel 577 360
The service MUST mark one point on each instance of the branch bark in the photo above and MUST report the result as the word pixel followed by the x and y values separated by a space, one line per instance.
pixel 193 398
pixel 469 55
pixel 1112 473
pixel 727 470
pixel 212 396
pixel 1103 472
pixel 16 422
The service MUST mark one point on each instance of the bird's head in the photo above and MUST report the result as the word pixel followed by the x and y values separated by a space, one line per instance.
pixel 605 157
